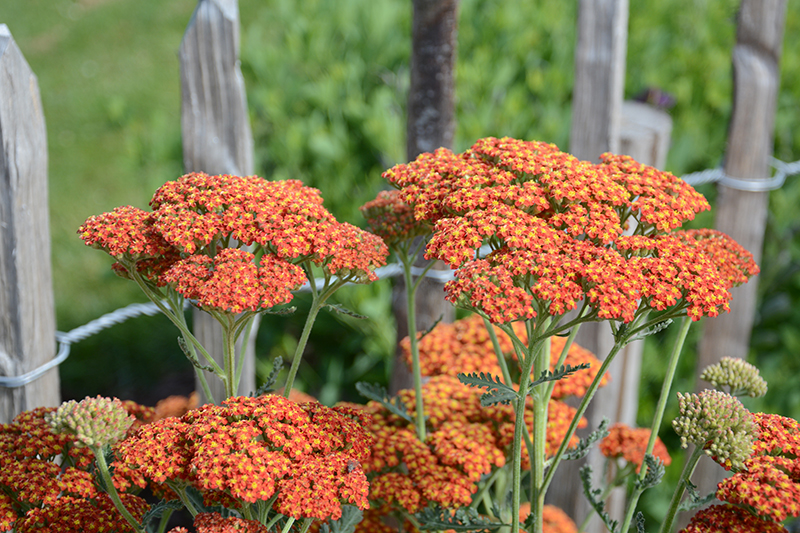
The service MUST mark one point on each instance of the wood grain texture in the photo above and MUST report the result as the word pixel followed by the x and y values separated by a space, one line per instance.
pixel 27 316
pixel 741 214
pixel 216 133
pixel 430 125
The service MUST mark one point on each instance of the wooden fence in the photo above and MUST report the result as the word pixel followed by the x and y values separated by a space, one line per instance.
pixel 216 138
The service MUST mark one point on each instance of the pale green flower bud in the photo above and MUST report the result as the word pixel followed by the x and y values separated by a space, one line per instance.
pixel 93 422
pixel 718 423
pixel 741 378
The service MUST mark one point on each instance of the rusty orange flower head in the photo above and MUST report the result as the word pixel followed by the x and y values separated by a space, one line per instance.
pixel 251 449
pixel 555 227
pixel 392 220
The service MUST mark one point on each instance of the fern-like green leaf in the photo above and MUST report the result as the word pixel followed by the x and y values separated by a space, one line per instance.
pixel 497 391
pixel 655 472
pixel 435 518
pixel 351 516
pixel 373 391
pixel 272 378
pixel 585 445
pixel 592 495
pixel 560 373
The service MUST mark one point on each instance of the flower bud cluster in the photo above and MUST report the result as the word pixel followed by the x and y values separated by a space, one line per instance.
pixel 718 423
pixel 93 422
pixel 742 378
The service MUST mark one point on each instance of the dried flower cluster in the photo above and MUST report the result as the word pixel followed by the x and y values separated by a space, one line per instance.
pixel 465 347
pixel 718 423
pixel 630 444
pixel 249 449
pixel 739 377
pixel 555 225
pixel 193 240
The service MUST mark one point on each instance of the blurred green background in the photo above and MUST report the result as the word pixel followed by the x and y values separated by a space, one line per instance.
pixel 326 86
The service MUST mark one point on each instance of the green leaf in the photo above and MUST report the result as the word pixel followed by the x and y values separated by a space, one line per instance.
pixel 435 518
pixel 592 494
pixel 560 373
pixel 157 509
pixel 338 308
pixel 695 501
pixel 655 472
pixel 192 358
pixel 435 323
pixel 351 516
pixel 640 522
pixel 286 311
pixel 582 448
pixel 269 384
pixel 373 391
pixel 497 391
pixel 652 330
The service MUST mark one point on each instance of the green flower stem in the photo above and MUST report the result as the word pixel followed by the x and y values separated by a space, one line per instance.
pixel 501 359
pixel 519 427
pixel 248 328
pixel 102 468
pixel 680 488
pixel 411 314
pixel 318 300
pixel 164 521
pixel 273 521
pixel 659 414
pixel 306 524
pixel 288 525
pixel 540 404
pixel 484 491
pixel 229 357
pixel 573 426
pixel 181 492
pixel 563 356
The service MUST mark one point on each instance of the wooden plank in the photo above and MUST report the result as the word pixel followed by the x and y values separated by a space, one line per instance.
pixel 742 214
pixel 27 316
pixel 596 117
pixel 430 125
pixel 216 133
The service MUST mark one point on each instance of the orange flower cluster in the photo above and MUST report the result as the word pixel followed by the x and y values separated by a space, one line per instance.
pixel 193 237
pixel 465 442
pixel 555 225
pixel 216 523
pixel 770 482
pixel 249 449
pixel 727 518
pixel 631 444
pixel 465 347
pixel 37 491
pixel 555 520
pixel 392 220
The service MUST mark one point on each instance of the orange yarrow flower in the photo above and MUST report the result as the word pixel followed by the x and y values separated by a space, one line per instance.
pixel 249 449
pixel 769 483
pixel 630 444
pixel 465 347
pixel 555 226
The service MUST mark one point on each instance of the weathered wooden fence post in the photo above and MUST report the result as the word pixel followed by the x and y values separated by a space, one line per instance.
pixel 596 117
pixel 741 209
pixel 430 125
pixel 27 317
pixel 216 133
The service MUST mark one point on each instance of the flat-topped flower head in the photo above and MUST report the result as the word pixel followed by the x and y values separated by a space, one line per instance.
pixel 555 227
pixel 92 422
pixel 251 449
pixel 216 523
pixel 728 518
pixel 719 424
pixel 770 482
pixel 391 219
pixel 739 377
pixel 630 444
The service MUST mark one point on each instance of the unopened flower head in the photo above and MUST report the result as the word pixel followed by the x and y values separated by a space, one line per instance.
pixel 738 376
pixel 92 422
pixel 718 423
